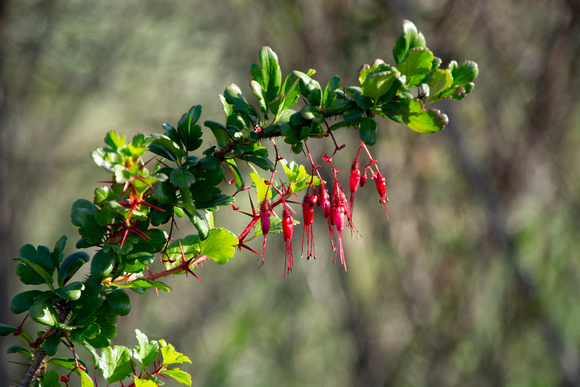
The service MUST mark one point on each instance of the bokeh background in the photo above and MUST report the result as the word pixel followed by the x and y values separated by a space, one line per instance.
pixel 474 281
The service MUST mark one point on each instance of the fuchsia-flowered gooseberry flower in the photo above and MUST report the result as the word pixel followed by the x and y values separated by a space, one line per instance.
pixel 339 211
pixel 308 216
pixel 354 182
pixel 287 228
pixel 265 214
pixel 381 185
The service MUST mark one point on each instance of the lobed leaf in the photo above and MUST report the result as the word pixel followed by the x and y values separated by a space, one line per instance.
pixel 219 245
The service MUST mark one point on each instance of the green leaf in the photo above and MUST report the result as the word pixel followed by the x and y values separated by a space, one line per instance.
pixel 23 301
pixel 44 313
pixel 190 133
pixel 264 190
pixel 378 84
pixel 82 216
pixel 441 80
pixel 86 380
pixel 146 352
pixel 50 379
pixel 329 94
pixel 410 38
pixel 309 88
pixel 65 362
pixel 219 131
pixel 179 375
pixel 233 95
pixel 170 355
pixel 269 76
pixel 219 245
pixel 143 383
pixel 297 176
pixel 144 284
pixel 71 291
pixel 71 265
pixel 262 162
pixel 423 121
pixel 190 245
pixel 118 301
pixel 103 264
pixel 368 130
pixel 60 245
pixel 416 66
pixel 31 273
pixel 115 363
pixel 6 330
pixel 37 265
pixel 167 148
pixel 182 178
pixel 21 350
pixel 52 344
pixel 238 175
pixel 465 74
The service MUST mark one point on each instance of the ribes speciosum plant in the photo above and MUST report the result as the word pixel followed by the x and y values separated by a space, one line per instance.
pixel 155 181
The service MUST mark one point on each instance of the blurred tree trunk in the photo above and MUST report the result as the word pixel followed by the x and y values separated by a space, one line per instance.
pixel 6 214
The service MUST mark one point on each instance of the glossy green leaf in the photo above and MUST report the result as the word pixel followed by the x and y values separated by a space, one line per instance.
pixel 44 313
pixel 179 375
pixel 312 113
pixel 416 66
pixel 115 363
pixel 464 74
pixel 71 291
pixel 23 301
pixel 71 265
pixel 262 162
pixel 167 148
pixel 201 225
pixel 60 245
pixel 103 263
pixel 410 38
pixel 269 75
pixel 21 350
pixel 6 330
pixel 118 301
pixel 368 130
pixel 309 88
pixel 378 84
pixel 146 352
pixel 233 95
pixel 52 344
pixel 219 245
pixel 190 133
pixel 239 180
pixel 219 131
pixel 423 121
pixel 329 94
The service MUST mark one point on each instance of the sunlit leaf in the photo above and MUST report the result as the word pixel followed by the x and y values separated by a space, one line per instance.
pixel 219 245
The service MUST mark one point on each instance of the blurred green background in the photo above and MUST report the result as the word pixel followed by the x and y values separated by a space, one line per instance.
pixel 474 281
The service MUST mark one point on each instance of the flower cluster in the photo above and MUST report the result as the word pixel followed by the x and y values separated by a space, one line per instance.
pixel 335 207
